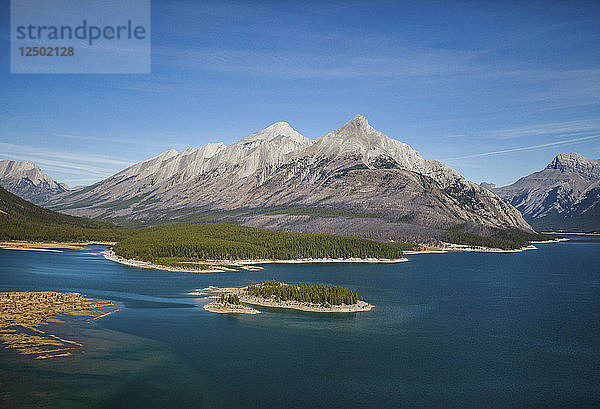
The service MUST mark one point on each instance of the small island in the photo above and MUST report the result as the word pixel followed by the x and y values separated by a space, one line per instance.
pixel 303 297
pixel 21 313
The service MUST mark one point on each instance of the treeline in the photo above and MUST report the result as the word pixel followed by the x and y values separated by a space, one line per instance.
pixel 22 220
pixel 322 294
pixel 48 233
pixel 507 239
pixel 216 241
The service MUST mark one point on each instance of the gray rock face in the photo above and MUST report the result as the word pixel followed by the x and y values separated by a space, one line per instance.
pixel 25 179
pixel 564 196
pixel 354 180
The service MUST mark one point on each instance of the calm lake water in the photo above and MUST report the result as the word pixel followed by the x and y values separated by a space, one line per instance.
pixel 448 330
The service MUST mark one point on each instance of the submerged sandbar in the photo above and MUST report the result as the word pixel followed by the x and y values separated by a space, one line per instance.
pixel 21 313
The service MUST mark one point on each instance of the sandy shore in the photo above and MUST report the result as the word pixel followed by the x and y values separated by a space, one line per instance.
pixel 27 245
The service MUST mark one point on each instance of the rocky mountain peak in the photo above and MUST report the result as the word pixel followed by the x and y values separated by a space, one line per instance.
pixel 189 151
pixel 10 169
pixel 281 130
pixel 359 122
pixel 27 180
pixel 358 127
pixel 574 162
pixel 168 154
pixel 355 137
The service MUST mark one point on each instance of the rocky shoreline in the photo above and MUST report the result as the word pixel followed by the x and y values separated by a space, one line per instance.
pixel 227 308
pixel 294 305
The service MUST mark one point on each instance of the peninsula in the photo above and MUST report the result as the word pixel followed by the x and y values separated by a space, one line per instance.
pixel 212 247
pixel 21 313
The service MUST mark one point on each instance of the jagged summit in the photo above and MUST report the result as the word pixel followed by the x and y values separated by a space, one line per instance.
pixel 354 137
pixel 359 139
pixel 358 122
pixel 358 127
pixel 574 162
pixel 189 151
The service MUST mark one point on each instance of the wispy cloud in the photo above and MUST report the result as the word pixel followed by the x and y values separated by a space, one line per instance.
pixel 406 62
pixel 527 148
pixel 105 139
pixel 76 163
pixel 567 128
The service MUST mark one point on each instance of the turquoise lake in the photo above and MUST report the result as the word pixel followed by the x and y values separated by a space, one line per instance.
pixel 448 330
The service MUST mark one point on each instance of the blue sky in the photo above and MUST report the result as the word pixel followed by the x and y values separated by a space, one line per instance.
pixel 493 89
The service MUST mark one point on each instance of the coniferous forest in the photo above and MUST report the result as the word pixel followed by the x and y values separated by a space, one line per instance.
pixel 306 293
pixel 216 241
pixel 22 220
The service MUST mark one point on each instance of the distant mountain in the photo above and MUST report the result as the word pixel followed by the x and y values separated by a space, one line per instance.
pixel 25 179
pixel 22 220
pixel 354 180
pixel 565 196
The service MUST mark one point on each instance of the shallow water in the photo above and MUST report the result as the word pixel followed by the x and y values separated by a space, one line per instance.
pixel 448 330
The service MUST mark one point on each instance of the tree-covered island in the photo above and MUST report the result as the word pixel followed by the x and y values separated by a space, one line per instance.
pixel 304 297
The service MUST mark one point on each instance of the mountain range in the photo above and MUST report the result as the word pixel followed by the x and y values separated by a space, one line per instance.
pixel 354 180
pixel 565 196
